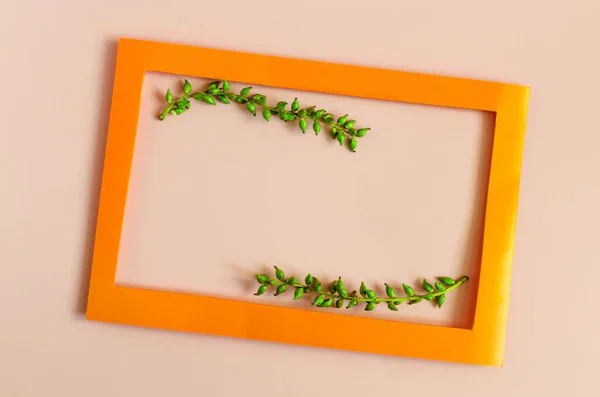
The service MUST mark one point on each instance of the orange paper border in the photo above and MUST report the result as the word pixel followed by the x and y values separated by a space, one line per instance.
pixel 483 344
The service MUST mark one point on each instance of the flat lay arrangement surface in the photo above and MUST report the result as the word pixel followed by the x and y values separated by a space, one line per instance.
pixel 165 298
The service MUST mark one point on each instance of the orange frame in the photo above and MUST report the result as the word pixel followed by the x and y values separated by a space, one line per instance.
pixel 483 344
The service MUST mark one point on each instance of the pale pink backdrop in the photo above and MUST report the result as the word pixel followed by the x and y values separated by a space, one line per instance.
pixel 207 204
pixel 217 195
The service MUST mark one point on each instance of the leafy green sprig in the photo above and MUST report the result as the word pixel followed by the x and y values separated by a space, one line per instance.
pixel 337 295
pixel 343 129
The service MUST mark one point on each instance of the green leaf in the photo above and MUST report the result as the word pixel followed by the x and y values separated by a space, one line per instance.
pixel 223 99
pixel 352 303
pixel 279 273
pixel 343 291
pixel 179 110
pixel 390 291
pixel 198 96
pixel 353 144
pixel 261 290
pixel 295 105
pixel 214 91
pixel 319 113
pixel 281 289
pixel 328 118
pixel 169 96
pixel 342 119
pixel 371 294
pixel 428 297
pixel 225 85
pixel 332 288
pixel 370 306
pixel 363 289
pixel 240 100
pixel 209 100
pixel 298 293
pixel 440 287
pixel 349 123
pixel 213 85
pixel 327 303
pixel 447 280
pixel 274 282
pixel 317 285
pixel 287 116
pixel 393 307
pixel 351 132
pixel 187 87
pixel 362 132
pixel 260 99
pixel 292 280
pixel 316 127
pixel 414 302
pixel 408 290
pixel 341 137
pixel 266 114
pixel 281 105
pixel 302 113
pixel 303 125
pixel 427 286
pixel 261 278
pixel 309 279
pixel 333 132
pixel 251 108
pixel 245 91
pixel 339 303
pixel 440 300
pixel 319 299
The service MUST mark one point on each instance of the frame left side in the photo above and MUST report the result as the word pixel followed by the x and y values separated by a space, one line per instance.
pixel 118 159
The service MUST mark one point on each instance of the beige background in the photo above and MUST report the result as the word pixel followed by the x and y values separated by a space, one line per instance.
pixel 56 76
pixel 217 195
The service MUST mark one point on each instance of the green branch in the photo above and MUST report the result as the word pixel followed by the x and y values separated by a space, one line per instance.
pixel 219 91
pixel 337 295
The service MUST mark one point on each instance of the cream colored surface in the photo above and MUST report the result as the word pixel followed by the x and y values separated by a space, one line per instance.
pixel 56 75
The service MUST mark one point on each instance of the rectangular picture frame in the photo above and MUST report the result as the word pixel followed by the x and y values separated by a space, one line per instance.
pixel 483 344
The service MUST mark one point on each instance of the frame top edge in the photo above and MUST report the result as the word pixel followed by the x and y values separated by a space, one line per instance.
pixel 135 41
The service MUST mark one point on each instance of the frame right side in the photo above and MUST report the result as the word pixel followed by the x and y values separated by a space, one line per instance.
pixel 491 312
